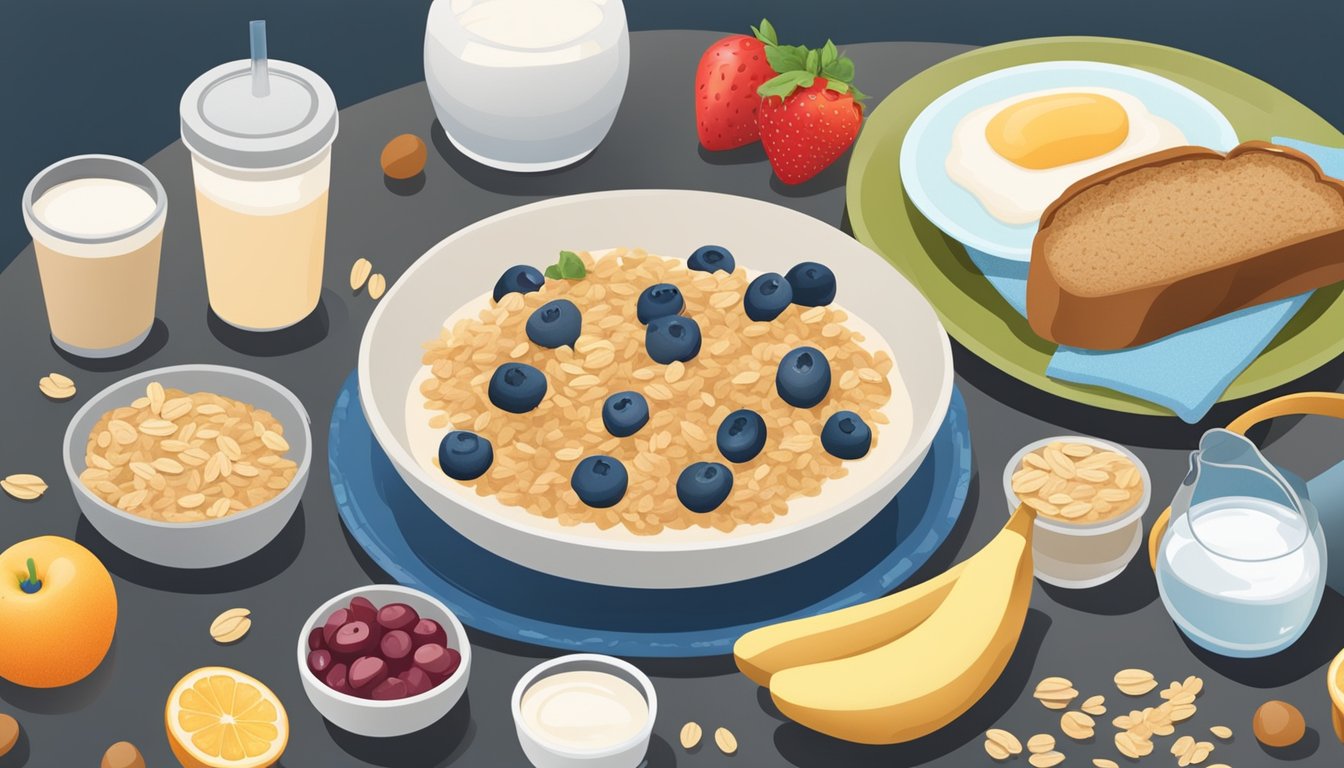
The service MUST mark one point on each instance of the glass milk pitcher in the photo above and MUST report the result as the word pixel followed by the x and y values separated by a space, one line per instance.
pixel 1241 567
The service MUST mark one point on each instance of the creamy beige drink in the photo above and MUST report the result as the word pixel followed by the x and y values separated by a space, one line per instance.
pixel 260 135
pixel 584 710
pixel 97 226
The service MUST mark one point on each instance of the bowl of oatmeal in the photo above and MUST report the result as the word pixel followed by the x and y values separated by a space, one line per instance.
pixel 659 421
pixel 191 466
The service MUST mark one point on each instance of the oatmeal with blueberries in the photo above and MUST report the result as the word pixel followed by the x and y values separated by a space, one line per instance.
pixel 628 389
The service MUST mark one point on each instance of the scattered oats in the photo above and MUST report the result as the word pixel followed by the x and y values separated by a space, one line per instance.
pixel 1133 746
pixel 690 735
pixel 1077 725
pixel 24 487
pixel 1135 682
pixel 1101 762
pixel 725 740
pixel 56 386
pixel 1046 759
pixel 1041 742
pixel 1095 705
pixel 231 625
pixel 996 751
pixel 1005 740
pixel 1221 731
pixel 359 272
pixel 377 286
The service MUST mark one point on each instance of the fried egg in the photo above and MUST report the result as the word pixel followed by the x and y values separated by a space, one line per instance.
pixel 1018 155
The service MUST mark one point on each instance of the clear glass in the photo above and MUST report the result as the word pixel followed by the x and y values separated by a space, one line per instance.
pixel 263 235
pixel 1241 567
pixel 526 85
pixel 97 228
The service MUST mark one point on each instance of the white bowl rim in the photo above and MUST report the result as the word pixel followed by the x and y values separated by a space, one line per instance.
pixel 405 462
pixel 459 631
pixel 1087 529
pixel 934 212
pixel 532 675
pixel 100 401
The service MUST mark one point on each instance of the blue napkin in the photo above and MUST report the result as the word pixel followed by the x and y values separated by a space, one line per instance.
pixel 1186 371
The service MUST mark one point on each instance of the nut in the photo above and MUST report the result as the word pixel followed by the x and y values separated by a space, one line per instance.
pixel 690 735
pixel 1134 682
pixel 1077 726
pixel 1046 759
pixel 1007 741
pixel 9 734
pixel 123 754
pixel 377 286
pixel 1041 742
pixel 725 740
pixel 404 156
pixel 359 272
pixel 1278 724
pixel 231 625
pixel 56 386
pixel 24 487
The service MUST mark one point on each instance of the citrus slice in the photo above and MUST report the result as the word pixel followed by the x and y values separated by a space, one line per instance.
pixel 1334 680
pixel 221 718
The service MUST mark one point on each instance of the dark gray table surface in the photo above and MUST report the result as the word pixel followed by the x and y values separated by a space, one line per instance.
pixel 1084 635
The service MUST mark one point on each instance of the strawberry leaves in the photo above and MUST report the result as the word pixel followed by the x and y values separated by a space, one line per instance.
pixel 798 66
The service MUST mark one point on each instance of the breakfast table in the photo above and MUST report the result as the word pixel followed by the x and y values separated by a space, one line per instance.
pixel 1084 635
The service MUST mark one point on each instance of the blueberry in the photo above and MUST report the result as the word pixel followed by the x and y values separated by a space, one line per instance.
pixel 658 301
pixel 600 481
pixel 555 324
pixel 517 387
pixel 845 436
pixel 624 413
pixel 741 436
pixel 767 296
pixel 712 258
pixel 519 279
pixel 813 284
pixel 804 377
pixel 672 338
pixel 465 455
pixel 704 485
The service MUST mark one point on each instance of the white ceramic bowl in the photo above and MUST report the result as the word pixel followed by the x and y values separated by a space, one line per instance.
pixel 209 543
pixel 628 754
pixel 762 237
pixel 1080 556
pixel 398 717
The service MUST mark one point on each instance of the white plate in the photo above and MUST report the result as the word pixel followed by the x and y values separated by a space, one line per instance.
pixel 762 237
pixel 957 212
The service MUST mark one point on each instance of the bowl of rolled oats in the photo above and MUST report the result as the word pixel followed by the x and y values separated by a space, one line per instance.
pixel 1089 496
pixel 192 466
pixel 651 410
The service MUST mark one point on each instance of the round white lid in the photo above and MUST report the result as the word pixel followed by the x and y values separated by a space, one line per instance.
pixel 224 122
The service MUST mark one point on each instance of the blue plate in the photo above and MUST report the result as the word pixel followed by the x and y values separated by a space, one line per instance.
pixel 957 212
pixel 417 549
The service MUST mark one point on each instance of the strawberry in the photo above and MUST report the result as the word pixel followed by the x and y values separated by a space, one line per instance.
pixel 726 80
pixel 810 112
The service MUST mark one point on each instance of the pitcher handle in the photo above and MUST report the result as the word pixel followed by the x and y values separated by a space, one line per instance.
pixel 1299 404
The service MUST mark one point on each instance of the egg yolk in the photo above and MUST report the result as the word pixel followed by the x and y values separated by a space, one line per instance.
pixel 1058 129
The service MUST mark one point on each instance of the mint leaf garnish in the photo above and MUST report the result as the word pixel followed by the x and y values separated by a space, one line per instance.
pixel 569 267
pixel 553 272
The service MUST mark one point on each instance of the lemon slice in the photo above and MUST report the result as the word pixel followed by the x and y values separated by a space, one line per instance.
pixel 1335 682
pixel 218 717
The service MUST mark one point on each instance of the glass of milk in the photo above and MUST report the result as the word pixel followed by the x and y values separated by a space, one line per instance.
pixel 526 85
pixel 260 133
pixel 1241 566
pixel 97 228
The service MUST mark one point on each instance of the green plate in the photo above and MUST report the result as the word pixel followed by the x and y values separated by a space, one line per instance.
pixel 973 312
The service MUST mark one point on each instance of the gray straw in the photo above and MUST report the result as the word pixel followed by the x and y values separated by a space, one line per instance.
pixel 261 75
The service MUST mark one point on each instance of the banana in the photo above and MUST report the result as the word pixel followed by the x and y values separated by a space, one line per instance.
pixel 844 632
pixel 928 676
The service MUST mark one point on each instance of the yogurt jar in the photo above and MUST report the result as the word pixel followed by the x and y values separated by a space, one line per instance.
pixel 585 710
pixel 1074 545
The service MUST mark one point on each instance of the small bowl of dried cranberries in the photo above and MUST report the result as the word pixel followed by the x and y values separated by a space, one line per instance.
pixel 383 660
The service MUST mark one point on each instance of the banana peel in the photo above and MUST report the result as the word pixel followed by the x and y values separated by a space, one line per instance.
pixel 900 667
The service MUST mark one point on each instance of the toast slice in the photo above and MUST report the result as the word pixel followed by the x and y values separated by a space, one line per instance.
pixel 1173 239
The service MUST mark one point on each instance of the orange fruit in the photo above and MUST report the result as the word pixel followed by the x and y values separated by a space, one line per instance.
pixel 1334 680
pixel 218 717
pixel 57 616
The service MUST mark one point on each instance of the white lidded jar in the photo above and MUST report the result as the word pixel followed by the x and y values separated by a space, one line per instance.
pixel 526 85
pixel 261 159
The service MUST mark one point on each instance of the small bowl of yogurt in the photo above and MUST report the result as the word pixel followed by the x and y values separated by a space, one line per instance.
pixel 584 710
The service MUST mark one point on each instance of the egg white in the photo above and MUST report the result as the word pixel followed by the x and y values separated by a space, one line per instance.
pixel 1016 195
